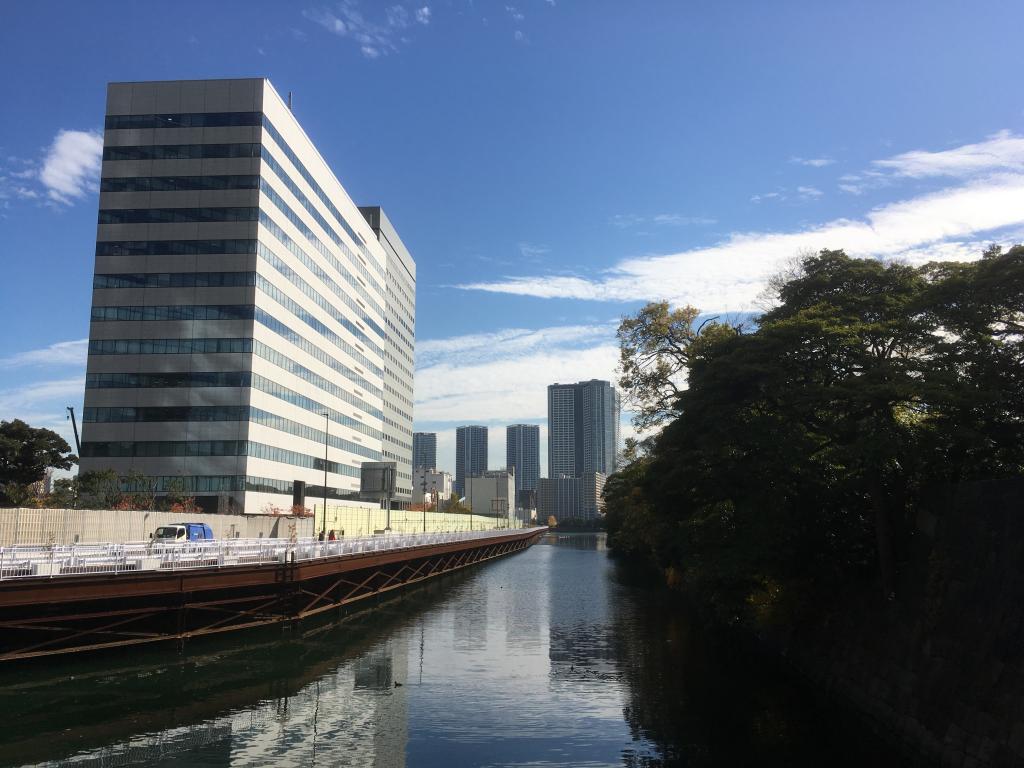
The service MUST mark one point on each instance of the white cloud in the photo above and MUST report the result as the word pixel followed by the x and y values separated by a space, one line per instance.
pixel 72 165
pixel 1001 152
pixel 533 251
pixel 626 220
pixel 767 196
pixel 26 402
pixel 809 192
pixel 728 276
pixel 813 162
pixel 374 40
pixel 515 13
pixel 519 36
pixel 423 15
pixel 507 343
pixel 59 353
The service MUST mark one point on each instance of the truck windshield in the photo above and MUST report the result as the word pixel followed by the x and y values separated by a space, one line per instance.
pixel 169 532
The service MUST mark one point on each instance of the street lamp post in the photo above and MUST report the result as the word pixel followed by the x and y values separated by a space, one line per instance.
pixel 327 427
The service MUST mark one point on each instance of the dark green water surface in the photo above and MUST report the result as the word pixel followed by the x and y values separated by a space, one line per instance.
pixel 551 657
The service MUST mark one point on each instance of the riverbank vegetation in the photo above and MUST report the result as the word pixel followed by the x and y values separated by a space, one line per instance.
pixel 794 452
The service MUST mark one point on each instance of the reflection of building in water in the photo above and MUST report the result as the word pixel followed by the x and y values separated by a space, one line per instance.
pixel 469 625
pixel 574 640
pixel 353 715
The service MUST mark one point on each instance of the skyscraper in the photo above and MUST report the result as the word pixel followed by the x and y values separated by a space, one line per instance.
pixel 424 450
pixel 522 452
pixel 470 454
pixel 583 428
pixel 246 317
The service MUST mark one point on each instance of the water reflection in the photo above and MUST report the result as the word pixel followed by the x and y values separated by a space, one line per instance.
pixel 552 657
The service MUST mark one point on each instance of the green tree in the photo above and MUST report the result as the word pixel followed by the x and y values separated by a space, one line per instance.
pixel 655 347
pixel 25 455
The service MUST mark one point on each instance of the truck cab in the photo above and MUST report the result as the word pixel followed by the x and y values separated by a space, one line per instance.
pixel 183 532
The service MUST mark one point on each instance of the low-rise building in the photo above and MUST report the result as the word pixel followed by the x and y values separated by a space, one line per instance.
pixel 570 498
pixel 431 484
pixel 492 493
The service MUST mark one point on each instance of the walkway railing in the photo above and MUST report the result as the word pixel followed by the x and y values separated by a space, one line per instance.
pixel 33 561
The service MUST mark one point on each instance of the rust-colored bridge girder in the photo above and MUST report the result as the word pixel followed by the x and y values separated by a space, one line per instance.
pixel 42 617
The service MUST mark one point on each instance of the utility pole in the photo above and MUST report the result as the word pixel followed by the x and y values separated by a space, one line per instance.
pixel 423 498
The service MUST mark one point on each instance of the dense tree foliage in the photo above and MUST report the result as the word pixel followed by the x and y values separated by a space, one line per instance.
pixel 25 455
pixel 796 455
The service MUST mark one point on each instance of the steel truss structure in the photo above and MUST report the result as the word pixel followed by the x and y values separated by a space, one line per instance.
pixel 46 617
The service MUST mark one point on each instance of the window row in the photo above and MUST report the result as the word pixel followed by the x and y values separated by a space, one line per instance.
pixel 309 234
pixel 308 177
pixel 311 349
pixel 175 280
pixel 329 309
pixel 177 183
pixel 215 413
pixel 175 312
pixel 173 380
pixel 273 260
pixel 183 448
pixel 227 484
pixel 181 151
pixel 167 346
pixel 286 363
pixel 282 392
pixel 186 120
pixel 173 247
pixel 319 327
pixel 294 248
pixel 176 215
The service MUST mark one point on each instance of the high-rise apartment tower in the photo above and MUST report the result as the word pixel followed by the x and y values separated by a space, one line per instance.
pixel 583 428
pixel 470 454
pixel 424 450
pixel 522 453
pixel 250 327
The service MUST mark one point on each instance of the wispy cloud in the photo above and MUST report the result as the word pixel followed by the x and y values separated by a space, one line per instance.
pixel 809 193
pixel 533 251
pixel 504 374
pixel 71 167
pixel 627 220
pixel 375 39
pixel 812 162
pixel 1001 152
pixel 728 276
pixel 778 195
pixel 59 353
pixel 40 398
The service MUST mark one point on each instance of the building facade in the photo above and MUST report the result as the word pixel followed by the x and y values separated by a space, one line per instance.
pixel 432 485
pixel 570 498
pixel 493 493
pixel 243 332
pixel 583 428
pixel 424 451
pixel 470 454
pixel 522 454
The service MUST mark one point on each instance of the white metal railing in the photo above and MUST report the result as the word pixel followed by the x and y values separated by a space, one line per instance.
pixel 42 560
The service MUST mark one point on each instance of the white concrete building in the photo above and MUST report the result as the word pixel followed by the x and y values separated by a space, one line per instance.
pixel 251 326
pixel 431 484
pixel 493 493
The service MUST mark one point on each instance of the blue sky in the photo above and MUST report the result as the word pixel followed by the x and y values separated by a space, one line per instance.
pixel 551 165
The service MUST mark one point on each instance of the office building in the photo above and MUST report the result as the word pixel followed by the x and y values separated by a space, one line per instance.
pixel 432 485
pixel 424 451
pixel 493 493
pixel 583 428
pixel 570 498
pixel 522 454
pixel 251 326
pixel 470 454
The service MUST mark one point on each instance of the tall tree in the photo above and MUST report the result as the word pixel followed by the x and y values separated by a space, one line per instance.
pixel 26 453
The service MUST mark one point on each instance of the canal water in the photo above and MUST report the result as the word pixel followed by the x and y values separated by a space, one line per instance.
pixel 556 656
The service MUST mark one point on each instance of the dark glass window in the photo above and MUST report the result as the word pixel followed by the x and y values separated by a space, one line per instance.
pixel 186 120
pixel 176 215
pixel 175 280
pixel 173 247
pixel 159 380
pixel 176 183
pixel 180 151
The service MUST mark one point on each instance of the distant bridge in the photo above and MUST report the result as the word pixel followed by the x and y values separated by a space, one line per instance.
pixel 65 599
